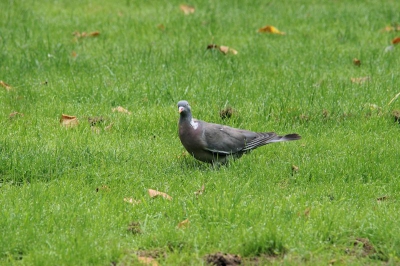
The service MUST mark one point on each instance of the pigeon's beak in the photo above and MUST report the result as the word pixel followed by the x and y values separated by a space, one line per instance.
pixel 181 108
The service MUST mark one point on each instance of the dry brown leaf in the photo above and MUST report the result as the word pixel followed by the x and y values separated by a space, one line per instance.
pixel 184 224
pixel 186 9
pixel 396 40
pixel 223 49
pixel 383 198
pixel 226 50
pixel 356 62
pixel 154 193
pixel 270 29
pixel 360 80
pixel 147 261
pixel 132 201
pixel 74 54
pixel 68 120
pixel 85 34
pixel 5 85
pixel 94 33
pixel 200 191
pixel 161 27
pixel 15 114
pixel 121 109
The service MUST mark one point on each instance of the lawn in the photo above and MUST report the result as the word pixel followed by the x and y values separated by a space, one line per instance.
pixel 75 191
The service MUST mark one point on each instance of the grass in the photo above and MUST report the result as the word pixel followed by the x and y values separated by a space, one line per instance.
pixel 62 189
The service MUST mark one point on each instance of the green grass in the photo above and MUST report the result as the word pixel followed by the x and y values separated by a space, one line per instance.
pixel 53 209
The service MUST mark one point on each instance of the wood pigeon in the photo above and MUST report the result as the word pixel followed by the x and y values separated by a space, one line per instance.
pixel 214 143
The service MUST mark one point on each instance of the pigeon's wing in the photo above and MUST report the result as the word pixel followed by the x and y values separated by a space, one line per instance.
pixel 227 140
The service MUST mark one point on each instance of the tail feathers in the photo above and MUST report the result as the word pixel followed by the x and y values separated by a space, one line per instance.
pixel 287 137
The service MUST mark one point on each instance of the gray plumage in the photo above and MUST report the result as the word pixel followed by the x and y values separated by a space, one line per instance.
pixel 214 143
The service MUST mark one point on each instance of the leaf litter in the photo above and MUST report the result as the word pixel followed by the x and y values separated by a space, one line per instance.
pixel 154 193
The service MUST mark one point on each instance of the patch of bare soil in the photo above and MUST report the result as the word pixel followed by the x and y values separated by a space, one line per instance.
pixel 223 259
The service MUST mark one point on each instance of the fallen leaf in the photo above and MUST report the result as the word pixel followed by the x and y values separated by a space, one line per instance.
pixel 161 27
pixel 383 198
pixel 391 28
pixel 68 120
pixel 15 114
pixel 360 80
pixel 223 49
pixel 356 62
pixel 5 85
pixel 74 54
pixel 306 212
pixel 121 109
pixel 132 201
pixel 226 50
pixel 200 191
pixel 85 34
pixel 396 40
pixel 94 34
pixel 154 193
pixel 147 261
pixel 270 29
pixel 295 168
pixel 186 9
pixel 184 224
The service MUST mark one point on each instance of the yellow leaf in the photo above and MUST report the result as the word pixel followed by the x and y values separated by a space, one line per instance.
pixel 68 120
pixel 147 261
pixel 270 29
pixel 184 224
pixel 121 109
pixel 5 85
pixel 154 193
pixel 186 9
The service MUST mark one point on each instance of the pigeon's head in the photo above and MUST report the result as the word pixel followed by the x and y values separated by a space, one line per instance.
pixel 184 108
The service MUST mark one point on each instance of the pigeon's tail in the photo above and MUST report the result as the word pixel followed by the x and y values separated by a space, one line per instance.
pixel 287 137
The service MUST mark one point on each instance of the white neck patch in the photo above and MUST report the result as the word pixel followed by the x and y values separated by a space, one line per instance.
pixel 194 125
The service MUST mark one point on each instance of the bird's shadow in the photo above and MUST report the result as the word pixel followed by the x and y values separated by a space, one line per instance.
pixel 192 164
